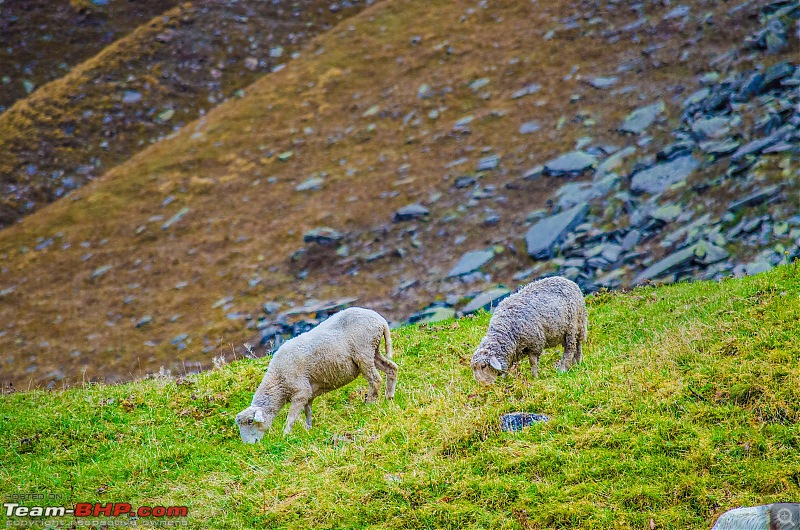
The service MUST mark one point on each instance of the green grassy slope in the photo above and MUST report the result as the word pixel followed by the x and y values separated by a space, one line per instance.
pixel 686 405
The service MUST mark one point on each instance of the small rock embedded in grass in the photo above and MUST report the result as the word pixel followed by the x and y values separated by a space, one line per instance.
pixel 516 421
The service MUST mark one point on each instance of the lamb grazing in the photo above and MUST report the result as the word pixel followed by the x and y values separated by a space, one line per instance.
pixel 320 360
pixel 543 314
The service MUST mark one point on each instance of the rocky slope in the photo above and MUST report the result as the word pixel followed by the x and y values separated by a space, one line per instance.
pixel 423 152
pixel 141 88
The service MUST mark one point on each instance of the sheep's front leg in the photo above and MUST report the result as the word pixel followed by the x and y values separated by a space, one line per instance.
pixel 366 366
pixel 533 357
pixel 297 406
pixel 308 415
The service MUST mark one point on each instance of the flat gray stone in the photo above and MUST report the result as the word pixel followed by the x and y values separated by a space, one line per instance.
pixel 470 262
pixel 665 265
pixel 708 253
pixel 572 162
pixel 432 314
pixel 311 183
pixel 778 516
pixel 639 120
pixel 487 300
pixel 755 198
pixel 710 128
pixel 410 212
pixel 550 231
pixel 757 145
pixel 758 266
pixel 323 236
pixel 488 163
pixel 602 83
pixel 696 97
pixel 614 161
pixel 529 127
pixel 661 176
pixel 720 147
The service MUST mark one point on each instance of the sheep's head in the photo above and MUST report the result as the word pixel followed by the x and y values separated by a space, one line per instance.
pixel 253 422
pixel 486 367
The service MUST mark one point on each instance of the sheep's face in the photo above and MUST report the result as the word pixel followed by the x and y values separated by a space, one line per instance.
pixel 486 368
pixel 253 422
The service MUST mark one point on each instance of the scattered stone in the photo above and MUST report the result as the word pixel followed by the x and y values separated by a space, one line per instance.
pixel 487 300
pixel 570 163
pixel 710 128
pixel 754 199
pixel 175 218
pixel 323 236
pixel 432 314
pixel 99 271
pixel 312 183
pixel 425 91
pixel 661 176
pixel 533 88
pixel 709 253
pixel 131 96
pixel 639 120
pixel 488 163
pixel 470 262
pixel 667 214
pixel 783 516
pixel 602 83
pixel 678 12
pixel 543 236
pixel 516 421
pixel 529 127
pixel 630 240
pixel 410 212
pixel 145 320
pixel 667 264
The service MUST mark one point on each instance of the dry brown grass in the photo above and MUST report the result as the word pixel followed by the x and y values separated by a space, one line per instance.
pixel 219 167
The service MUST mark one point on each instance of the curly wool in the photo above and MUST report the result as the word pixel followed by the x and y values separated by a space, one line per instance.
pixel 543 314
pixel 323 359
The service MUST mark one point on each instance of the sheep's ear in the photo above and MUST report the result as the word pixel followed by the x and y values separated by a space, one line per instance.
pixel 259 416
pixel 494 363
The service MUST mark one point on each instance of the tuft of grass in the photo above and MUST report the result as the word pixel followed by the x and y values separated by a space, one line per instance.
pixel 686 405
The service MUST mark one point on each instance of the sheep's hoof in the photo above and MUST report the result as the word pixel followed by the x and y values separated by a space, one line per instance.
pixel 561 368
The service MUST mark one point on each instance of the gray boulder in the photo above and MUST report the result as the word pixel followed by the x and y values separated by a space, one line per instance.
pixel 661 176
pixel 543 236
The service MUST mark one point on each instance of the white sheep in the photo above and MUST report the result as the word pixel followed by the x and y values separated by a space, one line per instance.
pixel 320 360
pixel 543 314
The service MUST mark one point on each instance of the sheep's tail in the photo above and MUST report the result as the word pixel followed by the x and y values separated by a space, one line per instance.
pixel 387 336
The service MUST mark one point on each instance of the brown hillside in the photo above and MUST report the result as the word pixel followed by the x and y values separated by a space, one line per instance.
pixel 42 39
pixel 77 276
pixel 164 74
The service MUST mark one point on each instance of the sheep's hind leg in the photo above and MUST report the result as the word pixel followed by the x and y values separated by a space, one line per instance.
pixel 308 415
pixel 390 369
pixel 570 342
pixel 578 354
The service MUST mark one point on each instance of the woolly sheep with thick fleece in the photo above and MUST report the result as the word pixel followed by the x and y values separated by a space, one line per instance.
pixel 320 360
pixel 543 314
